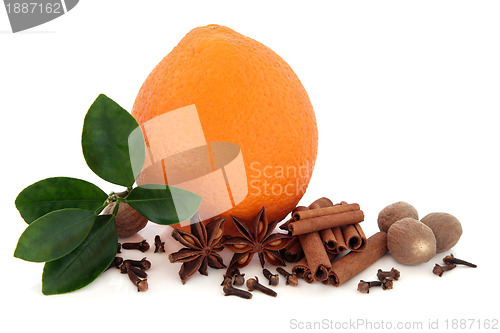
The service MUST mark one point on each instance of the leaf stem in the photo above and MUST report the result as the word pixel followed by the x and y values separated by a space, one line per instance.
pixel 115 210
pixel 98 210
pixel 124 193
pixel 114 197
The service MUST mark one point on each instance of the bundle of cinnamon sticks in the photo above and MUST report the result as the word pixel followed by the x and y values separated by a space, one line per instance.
pixel 323 231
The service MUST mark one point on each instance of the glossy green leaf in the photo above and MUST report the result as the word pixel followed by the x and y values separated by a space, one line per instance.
pixel 54 235
pixel 85 263
pixel 57 193
pixel 112 142
pixel 164 204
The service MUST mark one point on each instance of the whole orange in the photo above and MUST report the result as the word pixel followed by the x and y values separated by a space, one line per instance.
pixel 248 95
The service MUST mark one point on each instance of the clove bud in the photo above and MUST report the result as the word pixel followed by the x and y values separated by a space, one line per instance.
pixel 233 273
pixel 228 288
pixel 143 263
pixel 450 260
pixel 273 278
pixel 393 274
pixel 142 285
pixel 439 270
pixel 253 284
pixel 364 286
pixel 239 279
pixel 116 262
pixel 387 284
pixel 142 246
pixel 126 267
pixel 291 279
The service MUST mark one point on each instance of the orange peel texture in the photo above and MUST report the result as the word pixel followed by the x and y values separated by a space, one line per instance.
pixel 246 94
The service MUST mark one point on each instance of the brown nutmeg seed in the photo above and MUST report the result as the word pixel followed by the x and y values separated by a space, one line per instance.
pixel 411 242
pixel 395 212
pixel 128 221
pixel 447 229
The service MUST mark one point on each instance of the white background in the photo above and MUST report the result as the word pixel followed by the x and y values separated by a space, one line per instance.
pixel 405 94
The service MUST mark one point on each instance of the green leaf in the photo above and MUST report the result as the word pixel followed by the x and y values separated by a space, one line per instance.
pixel 57 193
pixel 54 235
pixel 163 204
pixel 112 142
pixel 85 263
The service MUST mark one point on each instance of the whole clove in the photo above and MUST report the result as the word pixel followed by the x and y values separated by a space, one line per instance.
pixel 228 276
pixel 439 270
pixel 364 286
pixel 253 284
pixel 393 274
pixel 450 260
pixel 387 284
pixel 159 245
pixel 143 263
pixel 273 278
pixel 291 279
pixel 126 267
pixel 142 285
pixel 229 290
pixel 116 262
pixel 142 246
pixel 233 273
pixel 239 279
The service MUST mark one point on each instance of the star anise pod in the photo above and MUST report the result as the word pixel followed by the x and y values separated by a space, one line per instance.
pixel 201 247
pixel 257 239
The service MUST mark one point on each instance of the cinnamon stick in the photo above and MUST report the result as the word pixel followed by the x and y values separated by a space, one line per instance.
pixel 355 262
pixel 354 237
pixel 362 236
pixel 284 226
pixel 315 254
pixel 341 246
pixel 301 270
pixel 332 256
pixel 325 221
pixel 314 251
pixel 293 251
pixel 329 239
pixel 308 276
pixel 328 210
pixel 330 279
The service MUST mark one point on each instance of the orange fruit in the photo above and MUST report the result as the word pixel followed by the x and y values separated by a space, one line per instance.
pixel 248 95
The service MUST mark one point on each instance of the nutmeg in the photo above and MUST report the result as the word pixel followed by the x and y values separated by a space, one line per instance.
pixel 411 242
pixel 446 228
pixel 128 221
pixel 395 212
